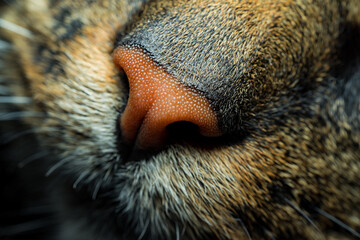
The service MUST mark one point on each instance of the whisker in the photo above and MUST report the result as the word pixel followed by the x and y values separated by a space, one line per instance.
pixel 303 214
pixel 107 176
pixel 338 222
pixel 184 230
pixel 32 158
pixel 177 232
pixel 57 165
pixel 4 44
pixel 7 139
pixel 15 100
pixel 244 227
pixel 79 179
pixel 20 115
pixel 15 28
pixel 90 177
pixel 96 190
pixel 143 231
pixel 269 233
pixel 3 90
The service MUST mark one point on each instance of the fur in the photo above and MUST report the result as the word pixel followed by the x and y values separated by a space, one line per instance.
pixel 282 76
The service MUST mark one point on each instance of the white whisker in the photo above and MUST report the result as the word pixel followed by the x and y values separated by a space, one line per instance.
pixel 244 228
pixel 270 235
pixel 32 158
pixel 7 139
pixel 57 165
pixel 144 230
pixel 15 100
pixel 4 45
pixel 338 222
pixel 177 232
pixel 15 28
pixel 20 115
pixel 296 208
pixel 4 90
pixel 79 179
pixel 96 190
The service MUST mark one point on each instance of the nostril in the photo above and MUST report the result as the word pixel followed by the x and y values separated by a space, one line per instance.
pixel 183 131
pixel 157 101
pixel 124 85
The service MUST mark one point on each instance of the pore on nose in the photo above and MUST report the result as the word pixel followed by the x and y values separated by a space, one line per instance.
pixel 157 100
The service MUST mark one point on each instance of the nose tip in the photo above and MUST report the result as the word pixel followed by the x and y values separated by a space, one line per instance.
pixel 157 100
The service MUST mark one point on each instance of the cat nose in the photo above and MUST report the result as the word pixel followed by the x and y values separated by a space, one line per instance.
pixel 157 100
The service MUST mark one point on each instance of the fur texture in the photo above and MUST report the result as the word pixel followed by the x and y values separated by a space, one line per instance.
pixel 282 76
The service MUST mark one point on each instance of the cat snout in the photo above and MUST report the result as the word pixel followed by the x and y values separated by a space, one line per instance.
pixel 157 100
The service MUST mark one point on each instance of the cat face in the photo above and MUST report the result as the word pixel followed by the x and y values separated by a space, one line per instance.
pixel 280 159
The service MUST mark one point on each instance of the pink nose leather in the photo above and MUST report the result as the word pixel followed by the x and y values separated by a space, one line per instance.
pixel 157 100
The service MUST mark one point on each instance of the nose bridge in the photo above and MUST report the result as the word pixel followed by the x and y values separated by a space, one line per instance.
pixel 198 49
pixel 157 100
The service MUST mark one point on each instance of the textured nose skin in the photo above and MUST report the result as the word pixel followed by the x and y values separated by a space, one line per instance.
pixel 157 100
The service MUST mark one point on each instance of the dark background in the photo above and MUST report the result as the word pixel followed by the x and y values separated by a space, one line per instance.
pixel 25 209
